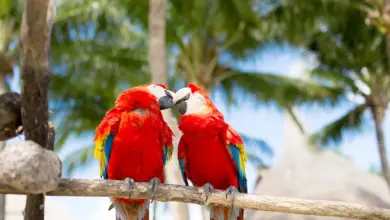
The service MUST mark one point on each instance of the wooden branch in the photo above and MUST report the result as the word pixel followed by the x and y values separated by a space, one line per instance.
pixel 35 32
pixel 178 193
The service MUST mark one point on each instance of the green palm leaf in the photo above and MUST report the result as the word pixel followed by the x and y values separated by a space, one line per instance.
pixel 281 90
pixel 350 122
pixel 78 158
pixel 258 151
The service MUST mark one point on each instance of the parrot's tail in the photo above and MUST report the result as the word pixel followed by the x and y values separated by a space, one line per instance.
pixel 134 210
pixel 222 213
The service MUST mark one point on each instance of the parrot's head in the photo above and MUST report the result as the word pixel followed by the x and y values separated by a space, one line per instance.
pixel 192 100
pixel 163 95
pixel 140 94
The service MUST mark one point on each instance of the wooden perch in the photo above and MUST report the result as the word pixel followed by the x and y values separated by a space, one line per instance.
pixel 177 193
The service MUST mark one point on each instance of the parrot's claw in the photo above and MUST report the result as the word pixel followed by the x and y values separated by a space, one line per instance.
pixel 232 192
pixel 208 190
pixel 130 185
pixel 111 206
pixel 153 184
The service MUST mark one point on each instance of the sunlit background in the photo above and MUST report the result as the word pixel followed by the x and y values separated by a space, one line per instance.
pixel 318 59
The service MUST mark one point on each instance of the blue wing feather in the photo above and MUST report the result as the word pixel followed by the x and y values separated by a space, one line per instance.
pixel 183 172
pixel 241 174
pixel 107 152
pixel 165 155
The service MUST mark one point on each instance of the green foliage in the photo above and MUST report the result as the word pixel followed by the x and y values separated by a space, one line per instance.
pixel 257 151
pixel 282 90
pixel 94 59
pixel 99 48
pixel 352 121
pixel 210 21
pixel 78 158
pixel 350 54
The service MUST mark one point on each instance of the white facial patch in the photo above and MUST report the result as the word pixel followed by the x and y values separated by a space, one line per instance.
pixel 195 103
pixel 156 90
pixel 181 93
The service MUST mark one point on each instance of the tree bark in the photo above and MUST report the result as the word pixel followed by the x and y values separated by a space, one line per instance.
pixel 158 67
pixel 37 22
pixel 378 113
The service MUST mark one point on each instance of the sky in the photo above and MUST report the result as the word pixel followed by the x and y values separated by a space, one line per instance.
pixel 264 122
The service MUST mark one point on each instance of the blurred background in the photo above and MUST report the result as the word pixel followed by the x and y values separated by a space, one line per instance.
pixel 306 82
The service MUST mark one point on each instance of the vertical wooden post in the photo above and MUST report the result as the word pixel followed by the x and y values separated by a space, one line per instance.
pixel 37 22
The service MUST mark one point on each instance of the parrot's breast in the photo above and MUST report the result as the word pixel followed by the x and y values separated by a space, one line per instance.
pixel 137 148
pixel 209 162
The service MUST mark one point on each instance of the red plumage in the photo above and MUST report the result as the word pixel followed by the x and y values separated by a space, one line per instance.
pixel 204 150
pixel 140 135
pixel 204 144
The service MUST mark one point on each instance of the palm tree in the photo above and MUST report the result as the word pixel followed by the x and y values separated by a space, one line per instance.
pixel 66 42
pixel 352 58
pixel 158 67
pixel 210 43
pixel 200 53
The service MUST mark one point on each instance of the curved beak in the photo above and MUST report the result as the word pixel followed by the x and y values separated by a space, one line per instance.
pixel 180 99
pixel 182 95
pixel 166 102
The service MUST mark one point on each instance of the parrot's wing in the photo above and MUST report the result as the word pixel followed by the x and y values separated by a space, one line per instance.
pixel 181 156
pixel 236 149
pixel 105 134
pixel 168 145
pixel 168 150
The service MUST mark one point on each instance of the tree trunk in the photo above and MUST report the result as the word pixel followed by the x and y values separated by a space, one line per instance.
pixel 35 32
pixel 157 63
pixel 378 113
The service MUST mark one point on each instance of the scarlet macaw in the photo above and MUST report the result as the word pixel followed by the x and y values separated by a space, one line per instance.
pixel 211 154
pixel 133 143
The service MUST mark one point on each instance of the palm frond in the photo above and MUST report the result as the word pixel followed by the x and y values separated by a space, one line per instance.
pixel 259 152
pixel 78 158
pixel 333 133
pixel 295 119
pixel 282 90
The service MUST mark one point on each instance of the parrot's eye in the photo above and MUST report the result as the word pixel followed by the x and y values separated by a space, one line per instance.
pixel 168 94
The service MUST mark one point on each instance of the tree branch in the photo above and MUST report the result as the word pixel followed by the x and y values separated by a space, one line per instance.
pixel 178 193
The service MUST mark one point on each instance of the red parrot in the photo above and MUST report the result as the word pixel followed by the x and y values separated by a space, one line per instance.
pixel 211 154
pixel 133 143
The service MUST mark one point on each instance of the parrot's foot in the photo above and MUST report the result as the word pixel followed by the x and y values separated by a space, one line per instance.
pixel 231 191
pixel 111 206
pixel 153 184
pixel 130 186
pixel 208 190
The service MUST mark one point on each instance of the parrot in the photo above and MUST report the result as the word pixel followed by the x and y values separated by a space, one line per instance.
pixel 133 143
pixel 211 153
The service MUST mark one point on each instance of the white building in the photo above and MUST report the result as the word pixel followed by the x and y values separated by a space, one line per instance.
pixel 15 206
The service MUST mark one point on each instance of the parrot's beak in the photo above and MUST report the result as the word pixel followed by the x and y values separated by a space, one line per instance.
pixel 166 102
pixel 180 99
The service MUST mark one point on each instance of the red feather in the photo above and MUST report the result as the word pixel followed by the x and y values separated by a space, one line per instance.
pixel 204 149
pixel 194 88
pixel 140 136
pixel 206 157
